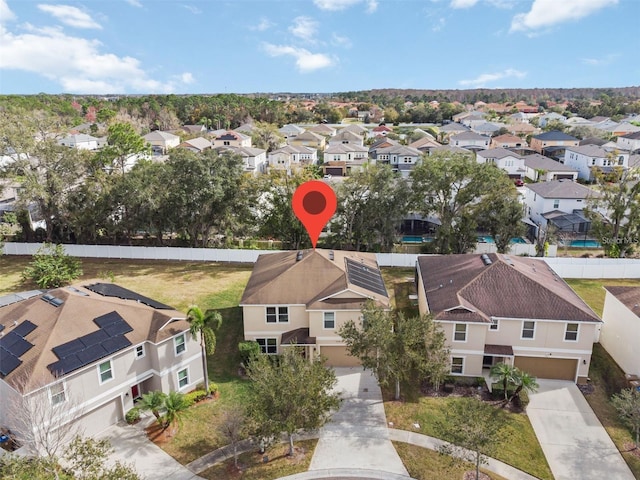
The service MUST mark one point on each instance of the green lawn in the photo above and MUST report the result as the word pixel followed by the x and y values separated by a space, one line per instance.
pixel 423 464
pixel 518 447
pixel 592 291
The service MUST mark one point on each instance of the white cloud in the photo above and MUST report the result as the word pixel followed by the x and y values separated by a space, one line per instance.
pixel 337 5
pixel 601 62
pixel 5 12
pixel 305 60
pixel 187 78
pixel 263 25
pixel 340 41
pixel 134 3
pixel 72 16
pixel 545 13
pixel 463 3
pixel 304 28
pixel 485 78
pixel 192 9
pixel 78 65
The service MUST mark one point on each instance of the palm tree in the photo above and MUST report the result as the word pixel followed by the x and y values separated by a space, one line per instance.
pixel 175 404
pixel 205 325
pixel 525 382
pixel 152 401
pixel 504 373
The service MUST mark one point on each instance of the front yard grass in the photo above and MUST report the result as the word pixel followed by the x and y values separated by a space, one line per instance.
pixel 253 467
pixel 519 446
pixel 424 464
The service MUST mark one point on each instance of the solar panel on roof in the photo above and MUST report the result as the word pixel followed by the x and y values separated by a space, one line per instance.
pixel 365 277
pixel 111 290
pixel 1 328
pixel 9 339
pixel 66 365
pixel 8 362
pixel 69 348
pixel 116 343
pixel 56 302
pixel 25 328
pixel 118 328
pixel 94 338
pixel 90 355
pixel 20 347
pixel 107 319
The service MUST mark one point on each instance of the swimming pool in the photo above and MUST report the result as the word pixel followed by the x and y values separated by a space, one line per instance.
pixel 489 239
pixel 412 239
pixel 585 244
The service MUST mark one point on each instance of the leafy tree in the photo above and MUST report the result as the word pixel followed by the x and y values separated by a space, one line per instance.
pixel 266 136
pixel 627 403
pixel 18 467
pixel 290 393
pixel 371 203
pixel 523 381
pixel 474 429
pixel 396 349
pixel 123 144
pixel 453 187
pixel 152 401
pixel 175 404
pixel 204 325
pixel 87 459
pixel 505 374
pixel 51 267
pixel 501 214
pixel 619 228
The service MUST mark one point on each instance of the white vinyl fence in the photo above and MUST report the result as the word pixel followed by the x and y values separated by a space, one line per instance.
pixel 565 267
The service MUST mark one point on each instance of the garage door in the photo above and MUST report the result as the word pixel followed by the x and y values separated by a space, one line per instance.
pixel 553 368
pixel 335 171
pixel 102 418
pixel 339 357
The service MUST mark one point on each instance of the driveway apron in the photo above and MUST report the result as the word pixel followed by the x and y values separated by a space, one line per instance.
pixel 572 438
pixel 357 437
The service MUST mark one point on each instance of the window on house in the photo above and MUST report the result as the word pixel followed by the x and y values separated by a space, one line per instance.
pixel 277 314
pixel 268 345
pixel 179 344
pixel 593 161
pixel 140 351
pixel 183 378
pixel 457 365
pixel 226 142
pixel 556 203
pixel 621 160
pixel 106 373
pixel 528 329
pixel 329 320
pixel 571 332
pixel 494 324
pixel 460 332
pixel 57 393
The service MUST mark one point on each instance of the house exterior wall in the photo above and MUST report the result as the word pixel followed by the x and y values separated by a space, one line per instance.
pixel 325 336
pixel 538 144
pixel 628 143
pixel 583 163
pixel 537 205
pixel 550 175
pixel 620 335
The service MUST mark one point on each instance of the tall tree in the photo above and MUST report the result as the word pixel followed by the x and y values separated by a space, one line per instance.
pixel 266 136
pixel 290 393
pixel 396 349
pixel 501 214
pixel 204 324
pixel 615 211
pixel 627 403
pixel 124 145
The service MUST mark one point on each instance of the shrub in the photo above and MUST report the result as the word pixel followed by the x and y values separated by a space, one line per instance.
pixel 248 350
pixel 195 396
pixel 52 267
pixel 132 415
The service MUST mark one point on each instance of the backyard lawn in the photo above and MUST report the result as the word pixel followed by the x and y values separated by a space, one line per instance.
pixel 592 291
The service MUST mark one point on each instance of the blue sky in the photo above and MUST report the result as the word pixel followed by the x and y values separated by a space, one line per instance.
pixel 246 46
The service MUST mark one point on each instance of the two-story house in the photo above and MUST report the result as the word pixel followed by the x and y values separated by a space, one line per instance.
pixel 80 141
pixel 96 347
pixel 401 158
pixel 470 141
pixel 544 169
pixel 291 157
pixel 346 137
pixel 553 143
pixel 508 141
pixel 197 145
pixel 510 162
pixel 290 131
pixel 629 142
pixel 309 139
pixel 254 160
pixel 620 335
pixel 341 159
pixel 586 158
pixel 323 129
pixel 505 309
pixel 161 142
pixel 545 198
pixel 303 297
pixel 230 138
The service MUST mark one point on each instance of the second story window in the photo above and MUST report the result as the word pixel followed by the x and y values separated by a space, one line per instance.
pixel 460 332
pixel 277 314
pixel 57 393
pixel 494 324
pixel 329 320
pixel 140 351
pixel 179 344
pixel 556 203
pixel 528 329
pixel 571 332
pixel 106 373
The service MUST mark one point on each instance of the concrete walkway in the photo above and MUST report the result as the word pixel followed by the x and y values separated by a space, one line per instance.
pixel 572 438
pixel 357 436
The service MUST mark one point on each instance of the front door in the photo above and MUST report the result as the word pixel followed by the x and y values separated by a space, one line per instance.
pixel 135 392
pixel 487 361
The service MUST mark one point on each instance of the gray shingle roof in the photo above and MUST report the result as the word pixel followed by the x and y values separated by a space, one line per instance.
pixel 537 161
pixel 562 189
pixel 555 135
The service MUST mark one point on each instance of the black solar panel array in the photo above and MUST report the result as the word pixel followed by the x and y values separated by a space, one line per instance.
pixel 93 346
pixel 13 345
pixel 365 277
pixel 111 290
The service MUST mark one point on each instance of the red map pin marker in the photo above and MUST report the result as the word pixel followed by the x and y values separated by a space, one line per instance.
pixel 314 203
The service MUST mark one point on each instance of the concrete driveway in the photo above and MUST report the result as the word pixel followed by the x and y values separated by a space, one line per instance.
pixel 572 438
pixel 357 436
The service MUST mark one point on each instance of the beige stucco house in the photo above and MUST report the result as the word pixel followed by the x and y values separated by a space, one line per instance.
pixel 303 298
pixel 620 335
pixel 95 347
pixel 515 310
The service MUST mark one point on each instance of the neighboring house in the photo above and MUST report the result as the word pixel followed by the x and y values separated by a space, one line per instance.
pixel 381 130
pixel 194 129
pixel 470 140
pixel 620 334
pixel 555 196
pixel 487 128
pixel 544 169
pixel 196 145
pixel 401 158
pixel 587 157
pixel 448 149
pixel 291 157
pixel 620 129
pixel 553 143
pixel 452 129
pixel 518 117
pixel 309 139
pixel 161 142
pixel 507 309
pixel 282 307
pixel 550 117
pixel 322 129
pixel 630 142
pixel 425 144
pixel 245 128
pixel 290 131
pixel 355 128
pixel 346 137
pixel 474 119
pixel 80 141
pixel 231 138
pixel 592 141
pixel 508 141
pixel 98 347
pixel 510 162
pixel 521 129
pixel 340 160
pixel 254 160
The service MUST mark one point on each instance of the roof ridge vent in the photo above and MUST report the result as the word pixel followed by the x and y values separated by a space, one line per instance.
pixel 331 255
pixel 485 259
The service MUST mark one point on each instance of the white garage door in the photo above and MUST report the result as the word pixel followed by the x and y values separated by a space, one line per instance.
pixel 101 418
